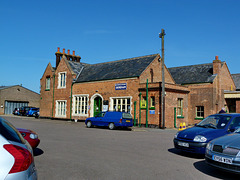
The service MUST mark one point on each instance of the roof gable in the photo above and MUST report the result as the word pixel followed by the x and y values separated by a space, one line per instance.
pixel 126 68
pixel 202 73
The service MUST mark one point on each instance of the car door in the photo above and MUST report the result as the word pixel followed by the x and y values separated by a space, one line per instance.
pixel 99 119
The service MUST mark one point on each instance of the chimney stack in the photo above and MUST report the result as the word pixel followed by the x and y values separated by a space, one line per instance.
pixel 69 57
pixel 216 65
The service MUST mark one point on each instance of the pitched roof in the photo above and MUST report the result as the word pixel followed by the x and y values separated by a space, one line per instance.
pixel 236 79
pixel 76 66
pixel 4 87
pixel 202 73
pixel 115 69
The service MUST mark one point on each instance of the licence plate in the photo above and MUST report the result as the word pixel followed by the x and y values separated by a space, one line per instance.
pixel 128 121
pixel 183 144
pixel 222 159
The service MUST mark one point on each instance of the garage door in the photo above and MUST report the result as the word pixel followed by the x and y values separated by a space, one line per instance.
pixel 11 105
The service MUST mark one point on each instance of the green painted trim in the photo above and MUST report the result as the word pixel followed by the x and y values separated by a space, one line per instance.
pixel 139 124
pixel 71 102
pixel 199 118
pixel 147 104
pixel 135 102
pixel 180 117
pixel 47 89
pixel 152 108
pixel 53 94
pixel 175 117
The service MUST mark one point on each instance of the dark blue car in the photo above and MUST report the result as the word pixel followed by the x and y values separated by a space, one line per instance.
pixel 31 111
pixel 195 139
pixel 110 120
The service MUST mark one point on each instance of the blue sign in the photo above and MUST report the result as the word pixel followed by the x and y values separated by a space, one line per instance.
pixel 152 112
pixel 121 86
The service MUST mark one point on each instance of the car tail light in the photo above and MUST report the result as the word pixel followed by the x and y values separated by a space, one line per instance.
pixel 23 158
pixel 120 121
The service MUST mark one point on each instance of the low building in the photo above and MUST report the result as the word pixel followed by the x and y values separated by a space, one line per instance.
pixel 12 97
pixel 76 90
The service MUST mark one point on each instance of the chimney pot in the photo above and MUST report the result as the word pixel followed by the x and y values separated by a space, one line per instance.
pixel 58 49
pixel 73 53
pixel 216 57
pixel 63 50
pixel 68 51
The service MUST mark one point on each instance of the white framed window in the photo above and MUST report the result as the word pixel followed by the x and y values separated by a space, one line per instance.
pixel 199 111
pixel 180 107
pixel 62 79
pixel 48 83
pixel 61 108
pixel 80 105
pixel 122 104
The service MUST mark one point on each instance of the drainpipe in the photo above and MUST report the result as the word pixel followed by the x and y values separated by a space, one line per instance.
pixel 53 94
pixel 135 113
pixel 71 103
pixel 175 117
pixel 140 94
pixel 147 104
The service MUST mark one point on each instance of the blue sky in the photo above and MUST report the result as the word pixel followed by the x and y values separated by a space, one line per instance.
pixel 108 30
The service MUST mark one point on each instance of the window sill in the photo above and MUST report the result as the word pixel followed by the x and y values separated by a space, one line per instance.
pixel 198 118
pixel 152 108
pixel 181 117
pixel 47 89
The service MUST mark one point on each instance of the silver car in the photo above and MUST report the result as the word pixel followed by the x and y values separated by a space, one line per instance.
pixel 224 152
pixel 16 156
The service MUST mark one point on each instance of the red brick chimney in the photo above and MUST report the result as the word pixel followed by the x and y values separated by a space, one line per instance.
pixel 58 56
pixel 216 65
pixel 69 57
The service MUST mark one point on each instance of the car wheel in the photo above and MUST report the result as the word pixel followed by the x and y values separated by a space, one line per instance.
pixel 111 126
pixel 89 124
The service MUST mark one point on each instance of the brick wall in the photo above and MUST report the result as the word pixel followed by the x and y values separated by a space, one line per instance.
pixel 46 94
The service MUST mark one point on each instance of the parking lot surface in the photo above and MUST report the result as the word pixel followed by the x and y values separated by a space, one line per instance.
pixel 69 150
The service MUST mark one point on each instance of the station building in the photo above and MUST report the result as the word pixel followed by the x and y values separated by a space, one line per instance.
pixel 77 90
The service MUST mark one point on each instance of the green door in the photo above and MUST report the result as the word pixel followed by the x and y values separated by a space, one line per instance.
pixel 97 105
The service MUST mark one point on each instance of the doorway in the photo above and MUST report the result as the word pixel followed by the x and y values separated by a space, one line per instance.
pixel 97 105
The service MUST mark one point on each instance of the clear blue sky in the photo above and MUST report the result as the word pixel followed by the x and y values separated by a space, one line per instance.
pixel 108 30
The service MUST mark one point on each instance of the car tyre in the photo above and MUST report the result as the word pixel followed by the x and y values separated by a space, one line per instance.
pixel 89 124
pixel 111 126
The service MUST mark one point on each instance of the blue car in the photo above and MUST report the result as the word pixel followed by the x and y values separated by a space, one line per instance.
pixel 31 111
pixel 195 139
pixel 110 120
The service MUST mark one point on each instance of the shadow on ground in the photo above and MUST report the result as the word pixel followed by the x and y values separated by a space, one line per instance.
pixel 37 152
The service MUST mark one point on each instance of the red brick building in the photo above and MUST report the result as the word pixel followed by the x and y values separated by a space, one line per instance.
pixel 76 90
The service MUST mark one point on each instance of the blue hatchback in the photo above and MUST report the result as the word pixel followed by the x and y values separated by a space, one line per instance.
pixel 110 119
pixel 195 139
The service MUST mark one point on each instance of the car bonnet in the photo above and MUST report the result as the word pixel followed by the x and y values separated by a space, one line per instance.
pixel 209 133
pixel 232 140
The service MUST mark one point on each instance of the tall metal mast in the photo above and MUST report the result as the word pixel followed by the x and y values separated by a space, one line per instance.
pixel 161 35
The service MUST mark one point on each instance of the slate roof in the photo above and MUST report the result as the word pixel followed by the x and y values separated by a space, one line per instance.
pixel 4 87
pixel 236 79
pixel 115 69
pixel 193 74
pixel 76 66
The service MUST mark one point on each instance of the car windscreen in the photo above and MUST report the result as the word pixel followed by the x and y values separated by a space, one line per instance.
pixel 215 122
pixel 10 132
pixel 127 116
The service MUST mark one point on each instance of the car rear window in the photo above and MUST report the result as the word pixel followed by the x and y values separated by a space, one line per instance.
pixel 9 131
pixel 127 116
